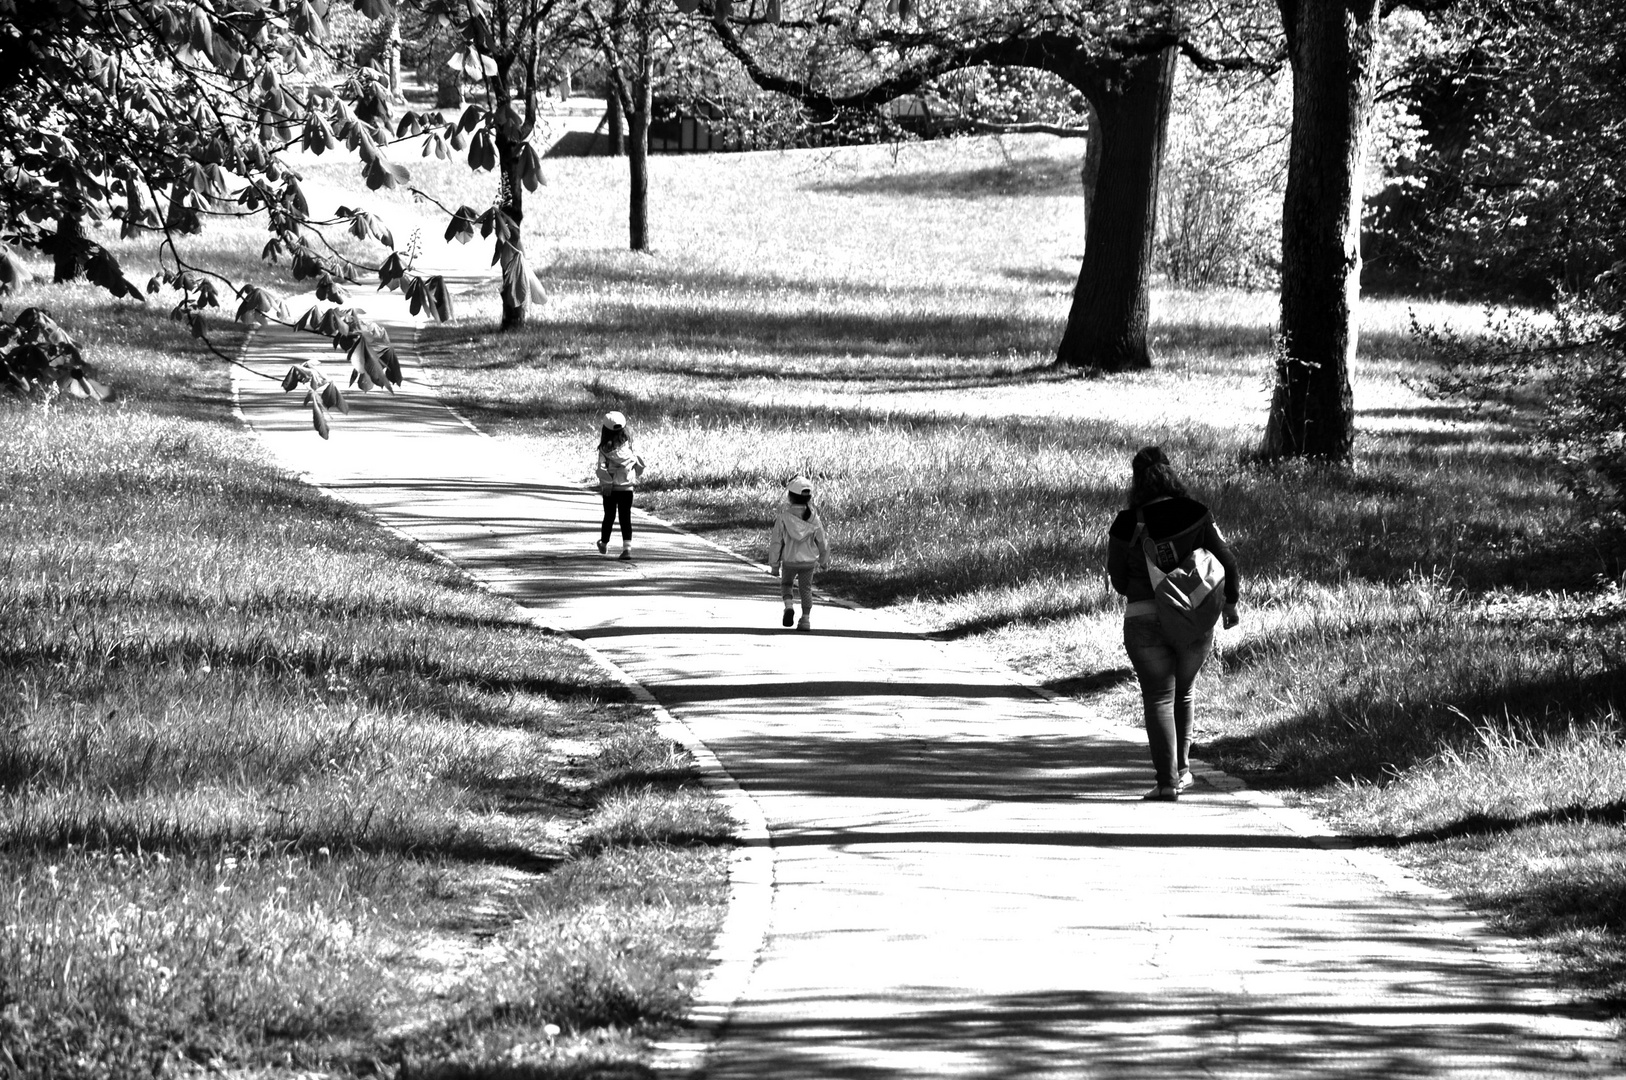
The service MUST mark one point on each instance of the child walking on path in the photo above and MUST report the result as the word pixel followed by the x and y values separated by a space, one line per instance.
pixel 798 544
pixel 619 469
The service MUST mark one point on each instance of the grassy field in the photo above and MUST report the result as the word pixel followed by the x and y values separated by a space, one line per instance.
pixel 281 795
pixel 1431 651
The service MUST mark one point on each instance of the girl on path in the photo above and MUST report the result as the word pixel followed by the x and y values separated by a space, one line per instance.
pixel 1167 670
pixel 798 543
pixel 619 469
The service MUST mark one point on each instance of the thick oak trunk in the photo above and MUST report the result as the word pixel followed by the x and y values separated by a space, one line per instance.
pixel 1333 48
pixel 1106 326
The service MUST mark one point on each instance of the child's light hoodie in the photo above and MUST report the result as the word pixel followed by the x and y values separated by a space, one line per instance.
pixel 795 542
pixel 620 468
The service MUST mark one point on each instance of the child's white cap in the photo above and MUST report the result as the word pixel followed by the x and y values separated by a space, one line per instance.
pixel 801 485
pixel 614 420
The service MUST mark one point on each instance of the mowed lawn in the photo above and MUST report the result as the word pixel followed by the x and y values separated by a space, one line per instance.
pixel 1432 640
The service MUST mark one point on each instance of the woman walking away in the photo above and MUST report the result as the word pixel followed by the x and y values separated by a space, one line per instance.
pixel 619 469
pixel 798 544
pixel 1159 530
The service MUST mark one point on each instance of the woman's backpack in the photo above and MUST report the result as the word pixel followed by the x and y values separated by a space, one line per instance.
pixel 1189 598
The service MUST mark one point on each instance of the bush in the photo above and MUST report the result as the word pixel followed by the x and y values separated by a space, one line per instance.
pixel 1224 173
pixel 1574 358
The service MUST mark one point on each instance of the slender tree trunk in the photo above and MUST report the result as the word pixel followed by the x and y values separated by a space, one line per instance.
pixel 1106 327
pixel 1333 48
pixel 643 87
pixel 516 288
pixel 516 291
pixel 638 170
pixel 615 125
pixel 68 247
pixel 392 53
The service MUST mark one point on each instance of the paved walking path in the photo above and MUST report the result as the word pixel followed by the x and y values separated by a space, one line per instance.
pixel 957 876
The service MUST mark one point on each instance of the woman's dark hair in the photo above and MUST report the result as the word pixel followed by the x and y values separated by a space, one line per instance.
pixel 804 500
pixel 611 437
pixel 1152 477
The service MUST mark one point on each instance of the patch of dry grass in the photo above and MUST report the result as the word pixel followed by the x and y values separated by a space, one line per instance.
pixel 278 791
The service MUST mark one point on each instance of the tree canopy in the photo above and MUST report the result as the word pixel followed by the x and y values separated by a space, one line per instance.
pixel 1518 182
pixel 162 115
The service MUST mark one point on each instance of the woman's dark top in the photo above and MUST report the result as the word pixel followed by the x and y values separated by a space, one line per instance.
pixel 1177 525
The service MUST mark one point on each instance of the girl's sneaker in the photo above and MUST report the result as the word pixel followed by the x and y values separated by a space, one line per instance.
pixel 626 554
pixel 803 623
pixel 602 544
pixel 790 617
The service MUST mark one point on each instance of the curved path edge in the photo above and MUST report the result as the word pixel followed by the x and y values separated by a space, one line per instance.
pixel 740 938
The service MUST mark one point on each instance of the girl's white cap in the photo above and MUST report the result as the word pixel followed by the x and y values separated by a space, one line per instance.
pixel 614 420
pixel 801 485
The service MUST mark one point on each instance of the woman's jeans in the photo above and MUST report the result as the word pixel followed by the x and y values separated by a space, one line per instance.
pixel 1168 678
pixel 617 502
pixel 800 577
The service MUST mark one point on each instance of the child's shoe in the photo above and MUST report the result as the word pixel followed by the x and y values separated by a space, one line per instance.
pixel 801 624
pixel 602 544
pixel 626 554
pixel 790 617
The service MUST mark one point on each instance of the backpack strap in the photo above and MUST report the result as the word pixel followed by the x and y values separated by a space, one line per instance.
pixel 1147 548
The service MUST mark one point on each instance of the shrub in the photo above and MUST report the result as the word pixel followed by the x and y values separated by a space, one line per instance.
pixel 1574 359
pixel 1224 173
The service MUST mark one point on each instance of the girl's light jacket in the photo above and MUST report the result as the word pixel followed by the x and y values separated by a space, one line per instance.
pixel 795 542
pixel 620 469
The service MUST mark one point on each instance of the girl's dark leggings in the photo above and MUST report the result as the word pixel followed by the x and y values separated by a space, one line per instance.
pixel 617 502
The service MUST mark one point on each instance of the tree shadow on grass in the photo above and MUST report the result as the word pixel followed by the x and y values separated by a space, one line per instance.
pixel 1217 339
pixel 1612 814
pixel 1026 178
pixel 1094 682
pixel 924 379
pixel 806 334
pixel 594 270
pixel 560 1070
pixel 706 407
pixel 1044 277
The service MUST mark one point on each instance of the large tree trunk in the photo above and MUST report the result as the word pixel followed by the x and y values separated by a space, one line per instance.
pixel 1089 173
pixel 1333 48
pixel 1106 327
